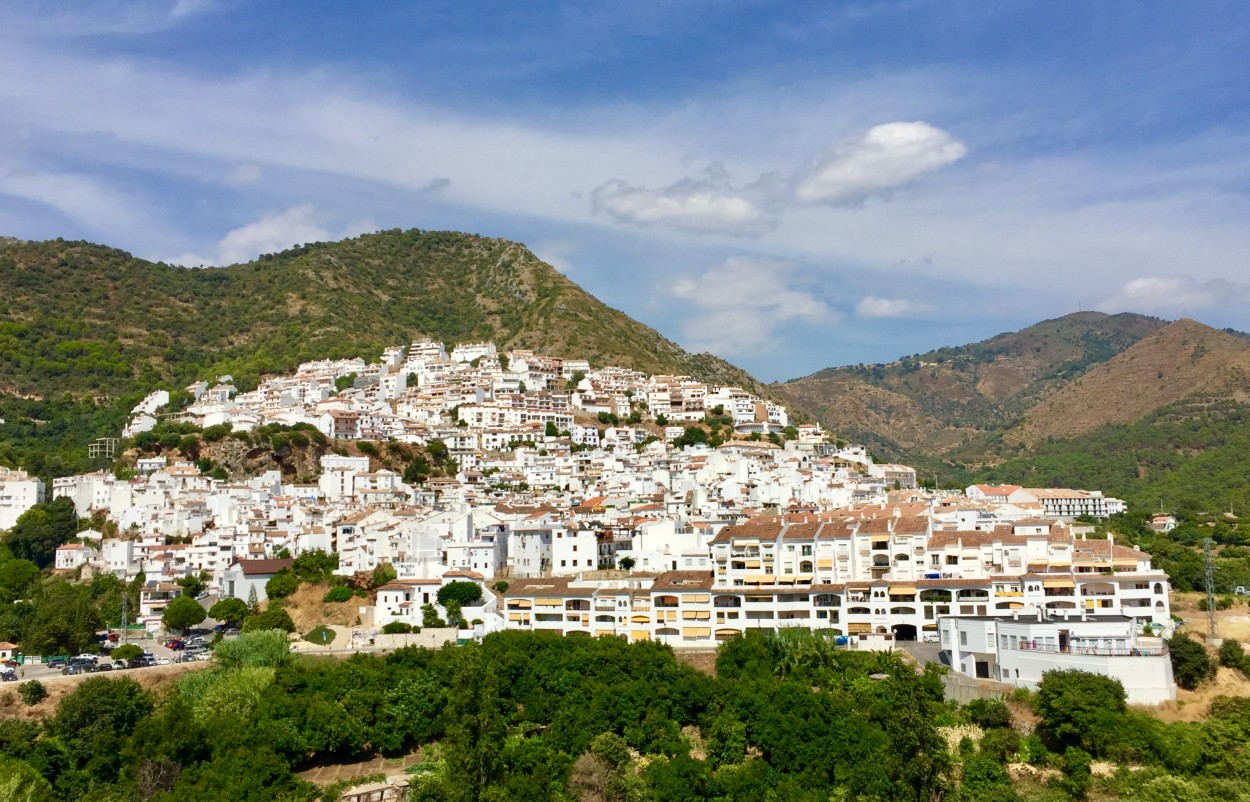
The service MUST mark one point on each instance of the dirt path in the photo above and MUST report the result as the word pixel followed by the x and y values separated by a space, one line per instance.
pixel 390 766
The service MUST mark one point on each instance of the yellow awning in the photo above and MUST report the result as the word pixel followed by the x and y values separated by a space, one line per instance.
pixel 880 538
pixel 752 563
pixel 696 598
pixel 641 619
pixel 726 632
pixel 549 602
pixel 746 542
pixel 640 634
pixel 1058 583
pixel 518 604
pixel 858 629
pixel 514 616
pixel 785 579
pixel 1127 561
pixel 902 590
pixel 600 633
pixel 696 615
pixel 805 577
pixel 696 632
pixel 824 562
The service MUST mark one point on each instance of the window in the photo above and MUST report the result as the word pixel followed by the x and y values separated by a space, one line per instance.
pixel 963 638
pixel 951 559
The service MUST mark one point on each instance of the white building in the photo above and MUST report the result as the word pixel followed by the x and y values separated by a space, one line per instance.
pixel 1019 649
pixel 18 493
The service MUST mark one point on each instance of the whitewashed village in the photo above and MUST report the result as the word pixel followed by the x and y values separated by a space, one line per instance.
pixel 579 505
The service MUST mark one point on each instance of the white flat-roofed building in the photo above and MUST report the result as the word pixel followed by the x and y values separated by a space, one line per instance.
pixel 1019 649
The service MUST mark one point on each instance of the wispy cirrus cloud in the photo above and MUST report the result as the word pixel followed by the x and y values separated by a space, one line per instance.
pixel 737 306
pixel 873 307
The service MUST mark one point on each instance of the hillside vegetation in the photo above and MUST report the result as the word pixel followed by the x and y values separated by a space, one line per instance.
pixel 85 330
pixel 932 404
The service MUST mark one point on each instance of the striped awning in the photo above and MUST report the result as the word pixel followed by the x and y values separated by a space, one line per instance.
pixel 902 590
pixel 696 632
pixel 1058 583
pixel 785 579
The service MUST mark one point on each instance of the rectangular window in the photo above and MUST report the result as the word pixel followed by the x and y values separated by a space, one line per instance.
pixel 963 638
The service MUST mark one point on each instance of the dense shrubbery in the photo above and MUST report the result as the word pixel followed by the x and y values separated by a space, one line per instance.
pixel 535 716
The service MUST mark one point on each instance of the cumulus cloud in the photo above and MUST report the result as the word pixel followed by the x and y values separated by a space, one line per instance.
pixel 707 205
pixel 872 306
pixel 887 157
pixel 1176 295
pixel 273 232
pixel 736 307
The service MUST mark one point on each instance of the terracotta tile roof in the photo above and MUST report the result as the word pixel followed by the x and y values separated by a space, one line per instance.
pixel 259 567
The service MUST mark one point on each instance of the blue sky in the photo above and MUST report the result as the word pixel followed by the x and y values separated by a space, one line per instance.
pixel 789 186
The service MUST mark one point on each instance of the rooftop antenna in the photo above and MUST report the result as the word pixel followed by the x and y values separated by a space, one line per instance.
pixel 1210 570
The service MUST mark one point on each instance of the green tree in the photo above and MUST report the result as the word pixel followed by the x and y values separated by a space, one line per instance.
pixel 466 594
pixel 41 529
pixel 315 565
pixel 32 692
pixel 1232 655
pixel 552 430
pixel 282 584
pixel 21 783
pixel 475 740
pixel 273 618
pixel 253 602
pixel 627 563
pixel 727 740
pixel 93 721
pixel 19 579
pixel 127 651
pixel 989 713
pixel 1191 664
pixel 229 611
pixel 183 613
pixel 1080 709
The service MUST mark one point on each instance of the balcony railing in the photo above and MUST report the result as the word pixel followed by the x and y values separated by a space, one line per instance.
pixel 1094 651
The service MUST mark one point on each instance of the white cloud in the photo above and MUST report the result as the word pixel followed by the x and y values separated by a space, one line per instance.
pixel 710 205
pixel 872 307
pixel 82 198
pixel 245 174
pixel 887 157
pixel 274 232
pixel 1179 295
pixel 736 307
pixel 556 254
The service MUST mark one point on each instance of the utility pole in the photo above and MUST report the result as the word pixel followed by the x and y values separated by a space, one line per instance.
pixel 125 629
pixel 1210 569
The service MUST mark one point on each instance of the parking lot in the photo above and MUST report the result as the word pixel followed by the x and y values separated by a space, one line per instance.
pixel 151 645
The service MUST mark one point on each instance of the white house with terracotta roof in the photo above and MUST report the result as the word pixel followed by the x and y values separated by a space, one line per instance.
pixel 241 577
pixel 70 556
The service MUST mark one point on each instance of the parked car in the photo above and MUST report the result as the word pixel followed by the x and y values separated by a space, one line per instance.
pixel 232 631
pixel 8 675
pixel 11 663
pixel 73 670
pixel 136 662
pixel 104 667
pixel 118 665
pixel 113 637
pixel 930 637
pixel 1242 591
pixel 194 641
pixel 60 661
pixel 174 644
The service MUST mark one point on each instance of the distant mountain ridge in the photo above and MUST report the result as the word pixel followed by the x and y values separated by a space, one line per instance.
pixel 87 319
pixel 937 402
